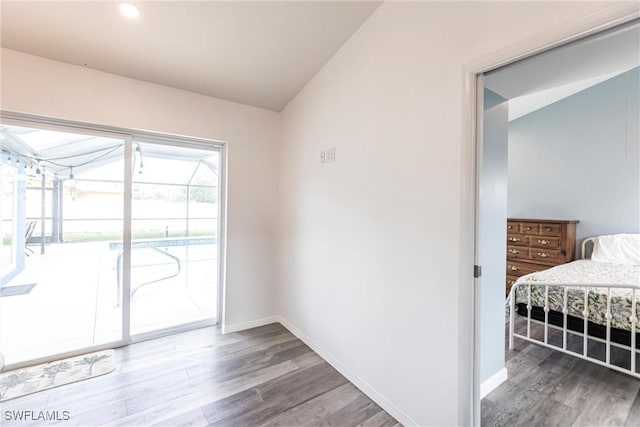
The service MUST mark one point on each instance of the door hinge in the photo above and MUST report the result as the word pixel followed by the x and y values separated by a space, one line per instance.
pixel 477 271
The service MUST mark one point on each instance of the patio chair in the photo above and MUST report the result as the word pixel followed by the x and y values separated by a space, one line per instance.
pixel 31 227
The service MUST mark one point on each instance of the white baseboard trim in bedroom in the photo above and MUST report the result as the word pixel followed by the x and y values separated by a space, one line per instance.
pixel 235 327
pixel 385 404
pixel 493 382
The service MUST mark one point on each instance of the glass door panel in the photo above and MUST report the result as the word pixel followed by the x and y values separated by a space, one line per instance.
pixel 174 266
pixel 58 289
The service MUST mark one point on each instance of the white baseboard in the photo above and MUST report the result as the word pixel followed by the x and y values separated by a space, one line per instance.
pixel 493 382
pixel 385 404
pixel 235 327
pixel 393 410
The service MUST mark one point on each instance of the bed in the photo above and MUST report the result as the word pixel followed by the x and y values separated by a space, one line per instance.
pixel 550 304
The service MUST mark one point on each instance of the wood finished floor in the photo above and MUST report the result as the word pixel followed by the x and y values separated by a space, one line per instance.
pixel 550 388
pixel 260 377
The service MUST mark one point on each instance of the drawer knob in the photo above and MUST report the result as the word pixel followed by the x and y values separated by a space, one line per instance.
pixel 547 228
pixel 514 239
pixel 513 268
pixel 543 254
pixel 543 242
pixel 514 251
pixel 528 228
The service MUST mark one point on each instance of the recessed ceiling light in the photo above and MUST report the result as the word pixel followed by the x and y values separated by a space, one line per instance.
pixel 129 10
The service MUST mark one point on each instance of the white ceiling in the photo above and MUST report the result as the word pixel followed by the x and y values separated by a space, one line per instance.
pixel 259 53
pixel 546 78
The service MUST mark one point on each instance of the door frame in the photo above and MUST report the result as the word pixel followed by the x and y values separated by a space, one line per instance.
pixel 472 122
pixel 128 136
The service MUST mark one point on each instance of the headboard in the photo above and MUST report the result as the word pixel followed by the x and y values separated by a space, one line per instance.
pixel 585 242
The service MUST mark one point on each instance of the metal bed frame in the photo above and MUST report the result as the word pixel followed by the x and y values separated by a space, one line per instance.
pixel 633 319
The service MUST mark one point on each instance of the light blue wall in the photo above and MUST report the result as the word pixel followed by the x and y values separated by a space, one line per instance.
pixel 492 214
pixel 579 158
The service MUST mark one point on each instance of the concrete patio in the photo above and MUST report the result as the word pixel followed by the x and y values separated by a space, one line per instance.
pixel 74 303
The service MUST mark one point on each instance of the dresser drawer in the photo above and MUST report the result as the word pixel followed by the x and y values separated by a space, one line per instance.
pixel 517 239
pixel 544 242
pixel 517 269
pixel 529 228
pixel 517 252
pixel 546 255
pixel 513 227
pixel 551 230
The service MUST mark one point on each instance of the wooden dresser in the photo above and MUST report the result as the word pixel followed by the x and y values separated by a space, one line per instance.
pixel 538 244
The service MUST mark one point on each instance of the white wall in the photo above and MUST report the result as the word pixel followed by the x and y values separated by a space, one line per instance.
pixel 35 85
pixel 579 158
pixel 370 246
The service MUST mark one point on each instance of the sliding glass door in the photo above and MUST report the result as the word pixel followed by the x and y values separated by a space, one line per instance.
pixel 59 228
pixel 174 230
pixel 104 237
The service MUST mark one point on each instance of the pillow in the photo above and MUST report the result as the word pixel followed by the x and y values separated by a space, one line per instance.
pixel 617 249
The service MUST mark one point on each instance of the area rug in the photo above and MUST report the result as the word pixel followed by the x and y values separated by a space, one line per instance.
pixel 41 377
pixel 12 291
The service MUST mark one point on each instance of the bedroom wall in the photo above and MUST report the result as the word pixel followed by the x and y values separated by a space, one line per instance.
pixel 579 158
pixel 370 248
pixel 34 85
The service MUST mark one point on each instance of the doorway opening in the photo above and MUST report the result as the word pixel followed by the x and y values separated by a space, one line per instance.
pixel 559 151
